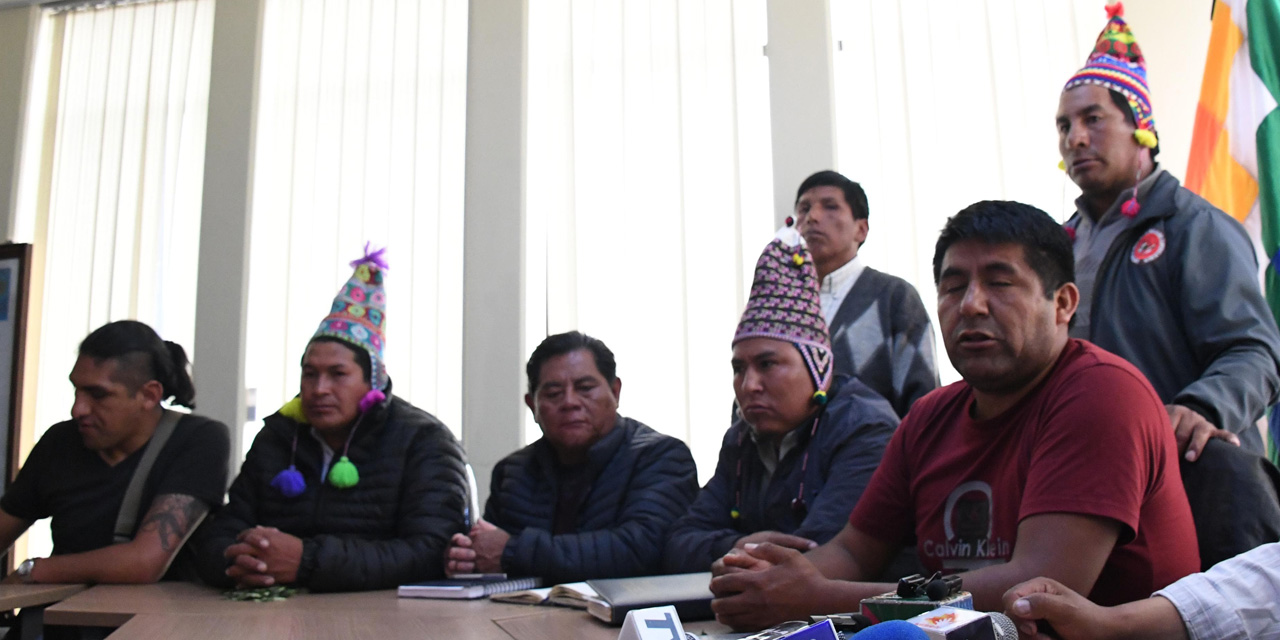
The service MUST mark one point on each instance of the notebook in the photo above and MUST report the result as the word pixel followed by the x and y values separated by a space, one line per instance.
pixel 572 594
pixel 689 593
pixel 465 589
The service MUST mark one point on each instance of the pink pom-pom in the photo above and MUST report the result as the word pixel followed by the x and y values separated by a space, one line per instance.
pixel 289 482
pixel 1130 207
pixel 790 221
pixel 371 399
pixel 1114 10
pixel 1071 233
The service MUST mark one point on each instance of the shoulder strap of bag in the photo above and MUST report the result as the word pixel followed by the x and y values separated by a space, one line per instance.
pixel 128 516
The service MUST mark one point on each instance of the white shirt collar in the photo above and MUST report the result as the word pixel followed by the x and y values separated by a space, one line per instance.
pixel 837 285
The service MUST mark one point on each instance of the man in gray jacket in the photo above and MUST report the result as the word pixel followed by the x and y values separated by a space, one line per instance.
pixel 1167 281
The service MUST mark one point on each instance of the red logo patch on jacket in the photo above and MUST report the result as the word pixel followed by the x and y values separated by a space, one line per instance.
pixel 1149 247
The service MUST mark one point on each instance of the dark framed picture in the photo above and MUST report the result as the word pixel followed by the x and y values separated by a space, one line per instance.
pixel 15 279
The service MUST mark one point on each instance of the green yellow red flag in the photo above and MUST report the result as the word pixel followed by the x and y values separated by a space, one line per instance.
pixel 1235 148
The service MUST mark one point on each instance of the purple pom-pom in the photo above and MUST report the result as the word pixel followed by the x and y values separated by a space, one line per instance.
pixel 289 482
pixel 371 399
pixel 371 257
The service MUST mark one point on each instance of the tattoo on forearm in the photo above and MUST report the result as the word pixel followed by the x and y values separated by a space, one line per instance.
pixel 171 516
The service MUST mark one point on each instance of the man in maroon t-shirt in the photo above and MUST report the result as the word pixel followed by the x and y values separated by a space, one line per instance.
pixel 1051 458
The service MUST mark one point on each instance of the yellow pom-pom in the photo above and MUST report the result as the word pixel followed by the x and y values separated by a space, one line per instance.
pixel 1062 165
pixel 1145 138
pixel 293 410
pixel 797 258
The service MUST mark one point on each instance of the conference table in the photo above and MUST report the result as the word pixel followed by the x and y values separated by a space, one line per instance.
pixel 189 611
pixel 17 595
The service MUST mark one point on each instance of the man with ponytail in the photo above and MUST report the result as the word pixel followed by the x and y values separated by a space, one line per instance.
pixel 125 481
pixel 347 487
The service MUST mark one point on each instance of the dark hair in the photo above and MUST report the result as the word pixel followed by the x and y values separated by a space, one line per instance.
pixel 563 343
pixel 361 354
pixel 1122 103
pixel 853 193
pixel 141 356
pixel 1045 243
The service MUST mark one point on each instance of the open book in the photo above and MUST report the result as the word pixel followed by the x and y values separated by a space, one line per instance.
pixel 573 594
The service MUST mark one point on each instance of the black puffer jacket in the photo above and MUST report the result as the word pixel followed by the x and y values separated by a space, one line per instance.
pixel 391 528
pixel 642 481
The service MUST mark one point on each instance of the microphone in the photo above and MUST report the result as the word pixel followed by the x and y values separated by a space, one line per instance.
pixel 892 630
pixel 950 623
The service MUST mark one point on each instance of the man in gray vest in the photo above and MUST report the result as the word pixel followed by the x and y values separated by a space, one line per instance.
pixel 125 481
pixel 880 331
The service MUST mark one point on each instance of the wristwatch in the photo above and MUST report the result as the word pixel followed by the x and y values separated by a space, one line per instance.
pixel 24 570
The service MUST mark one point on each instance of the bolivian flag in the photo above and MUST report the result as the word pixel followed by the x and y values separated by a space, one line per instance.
pixel 1235 149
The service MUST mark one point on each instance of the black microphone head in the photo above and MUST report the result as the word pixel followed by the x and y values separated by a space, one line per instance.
pixel 937 590
pixel 860 621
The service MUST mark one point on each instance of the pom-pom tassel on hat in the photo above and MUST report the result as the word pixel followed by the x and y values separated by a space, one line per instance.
pixel 289 482
pixel 1145 137
pixel 374 258
pixel 371 399
pixel 1130 208
pixel 1114 10
pixel 343 475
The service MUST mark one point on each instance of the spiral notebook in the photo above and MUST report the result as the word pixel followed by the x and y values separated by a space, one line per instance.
pixel 465 589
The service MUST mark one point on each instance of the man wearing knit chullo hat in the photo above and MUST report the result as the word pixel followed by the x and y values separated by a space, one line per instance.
pixel 805 442
pixel 1167 281
pixel 347 487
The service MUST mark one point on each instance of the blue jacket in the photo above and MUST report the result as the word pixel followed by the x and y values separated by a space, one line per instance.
pixel 642 481
pixel 852 433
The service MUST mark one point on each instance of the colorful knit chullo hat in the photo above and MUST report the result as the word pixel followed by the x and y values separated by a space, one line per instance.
pixel 358 315
pixel 1116 63
pixel 784 305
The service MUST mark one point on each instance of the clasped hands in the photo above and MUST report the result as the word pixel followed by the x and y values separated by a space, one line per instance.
pixel 480 551
pixel 764 580
pixel 262 557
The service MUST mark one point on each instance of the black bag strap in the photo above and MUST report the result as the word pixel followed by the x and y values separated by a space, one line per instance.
pixel 128 516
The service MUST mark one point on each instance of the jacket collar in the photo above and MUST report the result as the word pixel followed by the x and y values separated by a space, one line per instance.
pixel 598 456
pixel 1155 195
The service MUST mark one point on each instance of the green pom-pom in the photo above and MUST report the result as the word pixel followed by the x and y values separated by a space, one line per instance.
pixel 343 475
pixel 293 410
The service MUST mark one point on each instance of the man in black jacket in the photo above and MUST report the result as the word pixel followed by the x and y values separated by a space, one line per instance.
pixel 595 496
pixel 346 487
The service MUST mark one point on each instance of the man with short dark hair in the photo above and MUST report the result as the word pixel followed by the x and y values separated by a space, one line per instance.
pixel 347 487
pixel 1167 281
pixel 1051 456
pixel 880 331
pixel 83 472
pixel 595 496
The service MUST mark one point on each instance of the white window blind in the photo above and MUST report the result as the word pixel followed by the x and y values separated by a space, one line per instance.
pixel 360 138
pixel 940 104
pixel 648 194
pixel 113 180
